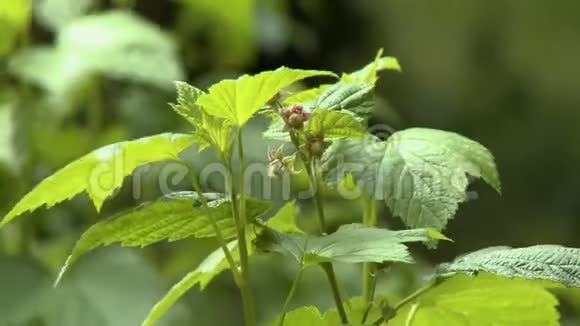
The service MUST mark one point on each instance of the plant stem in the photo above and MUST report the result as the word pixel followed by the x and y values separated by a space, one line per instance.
pixel 239 212
pixel 329 270
pixel 219 235
pixel 290 297
pixel 411 315
pixel 369 269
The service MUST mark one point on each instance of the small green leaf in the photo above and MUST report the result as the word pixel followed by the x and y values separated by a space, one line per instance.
pixel 216 263
pixel 305 96
pixel 209 130
pixel 421 174
pixel 545 262
pixel 173 217
pixel 285 219
pixel 335 125
pixel 484 300
pixel 100 172
pixel 368 74
pixel 238 100
pixel 353 243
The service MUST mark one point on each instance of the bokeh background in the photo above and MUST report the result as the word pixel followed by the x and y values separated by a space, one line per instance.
pixel 78 74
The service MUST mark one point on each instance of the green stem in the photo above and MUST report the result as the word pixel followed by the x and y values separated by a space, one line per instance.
pixel 290 297
pixel 219 235
pixel 369 269
pixel 411 315
pixel 239 212
pixel 329 270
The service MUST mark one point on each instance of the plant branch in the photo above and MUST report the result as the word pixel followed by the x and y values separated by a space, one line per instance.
pixel 369 276
pixel 290 297
pixel 239 212
pixel 329 270
pixel 219 235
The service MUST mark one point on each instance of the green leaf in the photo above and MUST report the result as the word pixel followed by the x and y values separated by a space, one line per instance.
pixel 335 125
pixel 14 17
pixel 216 263
pixel 134 48
pixel 100 172
pixel 420 173
pixel 238 100
pixel 355 97
pixel 368 74
pixel 353 243
pixel 305 96
pixel 484 300
pixel 209 130
pixel 174 217
pixel 545 262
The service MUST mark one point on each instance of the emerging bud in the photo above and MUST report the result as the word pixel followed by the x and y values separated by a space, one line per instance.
pixel 315 145
pixel 295 117
pixel 278 164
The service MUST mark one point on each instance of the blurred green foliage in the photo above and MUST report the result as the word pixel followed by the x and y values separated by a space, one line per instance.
pixel 75 75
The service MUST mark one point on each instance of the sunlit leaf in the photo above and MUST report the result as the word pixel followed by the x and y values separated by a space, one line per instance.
pixel 238 100
pixel 421 174
pixel 100 172
pixel 545 262
pixel 335 125
pixel 209 130
pixel 173 217
pixel 368 74
pixel 485 300
pixel 353 243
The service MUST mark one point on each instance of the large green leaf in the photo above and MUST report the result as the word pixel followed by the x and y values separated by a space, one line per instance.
pixel 14 17
pixel 422 174
pixel 335 125
pixel 238 100
pixel 352 96
pixel 216 262
pixel 100 172
pixel 174 217
pixel 484 300
pixel 209 130
pixel 353 243
pixel 546 262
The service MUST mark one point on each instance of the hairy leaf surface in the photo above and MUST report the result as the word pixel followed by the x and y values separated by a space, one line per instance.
pixel 173 217
pixel 353 243
pixel 545 262
pixel 421 174
pixel 484 300
pixel 335 125
pixel 238 100
pixel 100 172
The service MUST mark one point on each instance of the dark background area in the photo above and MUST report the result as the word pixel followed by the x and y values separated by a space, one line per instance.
pixel 504 73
